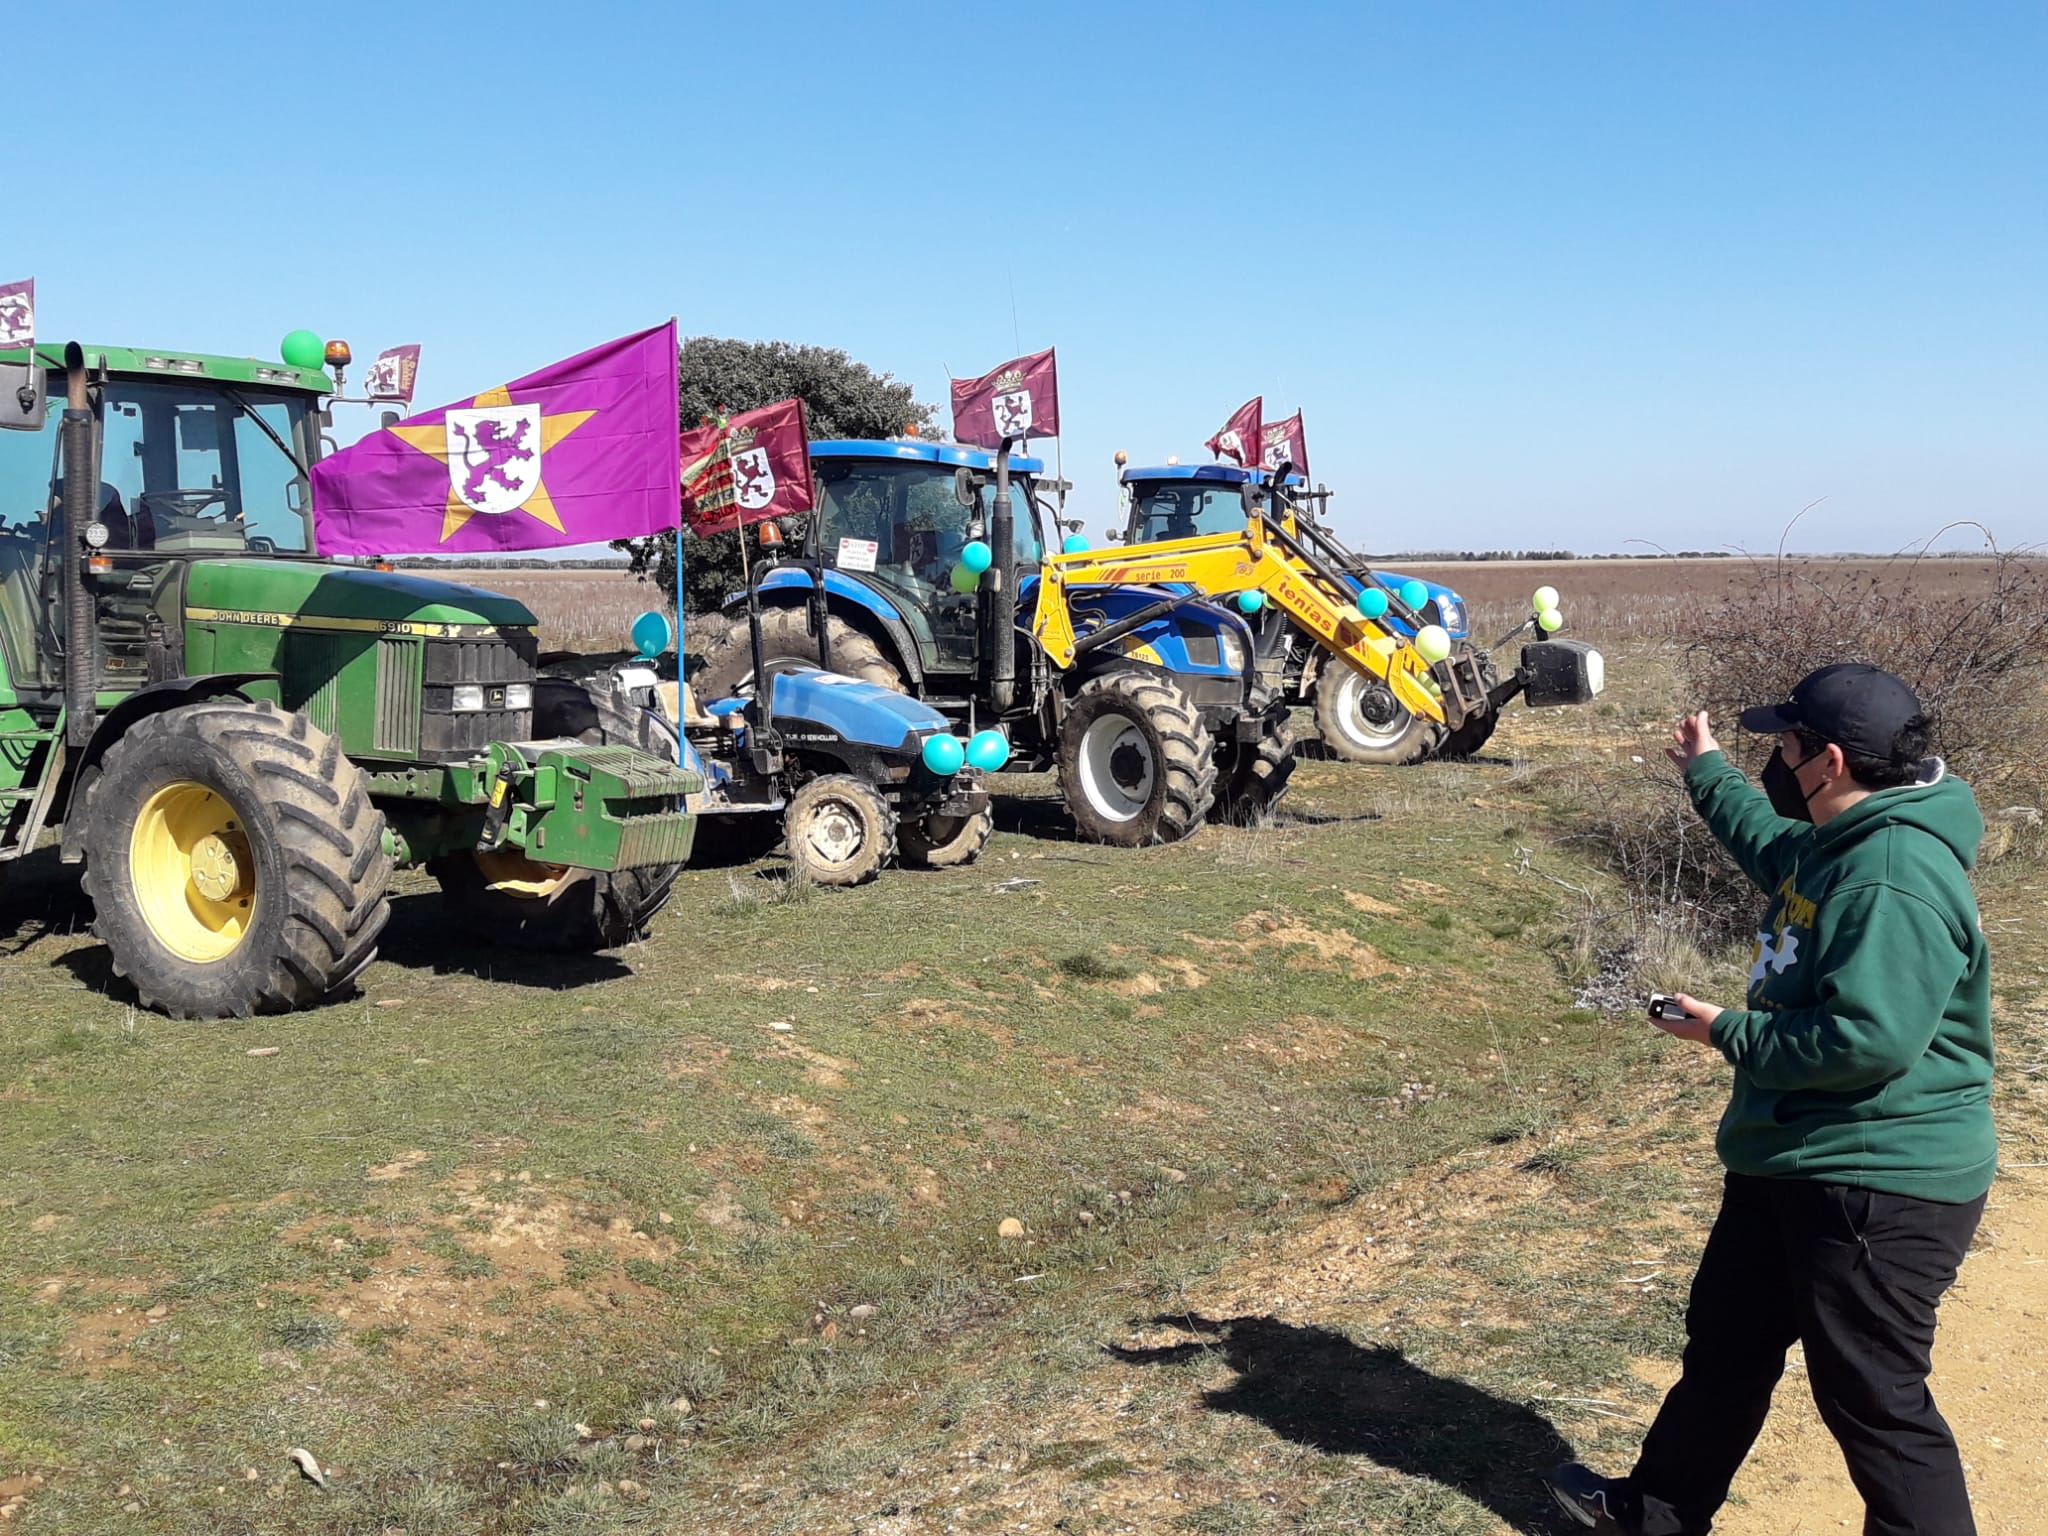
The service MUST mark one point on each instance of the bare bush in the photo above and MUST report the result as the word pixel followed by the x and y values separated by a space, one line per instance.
pixel 1978 658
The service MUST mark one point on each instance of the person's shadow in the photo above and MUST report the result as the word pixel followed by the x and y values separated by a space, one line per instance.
pixel 1315 1387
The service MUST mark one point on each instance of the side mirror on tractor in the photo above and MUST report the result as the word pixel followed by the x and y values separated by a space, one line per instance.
pixel 966 487
pixel 23 403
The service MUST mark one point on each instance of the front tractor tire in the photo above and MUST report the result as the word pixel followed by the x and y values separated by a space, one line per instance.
pixel 839 831
pixel 945 842
pixel 1136 765
pixel 1257 777
pixel 786 641
pixel 504 898
pixel 235 862
pixel 1361 721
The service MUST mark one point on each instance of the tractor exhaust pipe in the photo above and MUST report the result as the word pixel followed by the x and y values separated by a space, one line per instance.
pixel 1002 601
pixel 81 481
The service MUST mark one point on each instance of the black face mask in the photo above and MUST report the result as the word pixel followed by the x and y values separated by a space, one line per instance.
pixel 1781 782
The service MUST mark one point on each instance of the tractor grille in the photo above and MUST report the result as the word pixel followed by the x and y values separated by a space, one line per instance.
pixel 397 727
pixel 447 734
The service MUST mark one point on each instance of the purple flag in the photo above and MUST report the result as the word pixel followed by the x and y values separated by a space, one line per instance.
pixel 18 313
pixel 391 376
pixel 577 453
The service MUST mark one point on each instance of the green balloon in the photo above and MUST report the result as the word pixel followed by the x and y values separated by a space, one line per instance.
pixel 303 349
pixel 1432 643
pixel 1549 619
pixel 964 580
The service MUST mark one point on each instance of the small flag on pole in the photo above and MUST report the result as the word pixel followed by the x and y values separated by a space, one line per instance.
pixel 746 468
pixel 1286 443
pixel 1239 436
pixel 18 313
pixel 580 452
pixel 391 376
pixel 1018 401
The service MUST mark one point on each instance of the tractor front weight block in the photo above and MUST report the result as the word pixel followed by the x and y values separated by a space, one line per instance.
pixel 1558 672
pixel 589 807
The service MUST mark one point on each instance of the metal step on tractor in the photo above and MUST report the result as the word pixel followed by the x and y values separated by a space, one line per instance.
pixel 921 571
pixel 241 741
pixel 846 775
pixel 1361 717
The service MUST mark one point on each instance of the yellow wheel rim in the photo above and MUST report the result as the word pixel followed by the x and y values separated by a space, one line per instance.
pixel 193 872
pixel 511 873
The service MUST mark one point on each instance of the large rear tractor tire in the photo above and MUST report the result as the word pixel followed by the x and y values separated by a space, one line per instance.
pixel 1258 775
pixel 1361 721
pixel 1136 765
pixel 728 669
pixel 506 898
pixel 235 861
pixel 839 831
pixel 945 842
pixel 1477 731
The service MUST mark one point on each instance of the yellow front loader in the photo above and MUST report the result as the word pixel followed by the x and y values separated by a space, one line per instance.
pixel 1265 558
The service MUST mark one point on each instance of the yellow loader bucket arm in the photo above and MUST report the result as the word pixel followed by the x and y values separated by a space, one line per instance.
pixel 1222 564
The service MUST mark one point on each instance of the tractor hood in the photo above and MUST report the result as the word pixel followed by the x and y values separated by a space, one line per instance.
pixel 287 592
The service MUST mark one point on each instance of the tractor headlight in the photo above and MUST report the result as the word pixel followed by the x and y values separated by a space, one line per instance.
pixel 467 698
pixel 520 695
pixel 1230 646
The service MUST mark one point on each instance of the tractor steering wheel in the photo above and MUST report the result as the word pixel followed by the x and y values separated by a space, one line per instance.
pixel 181 502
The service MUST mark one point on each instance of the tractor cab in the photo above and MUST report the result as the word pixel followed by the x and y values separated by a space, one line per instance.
pixel 198 457
pixel 892 521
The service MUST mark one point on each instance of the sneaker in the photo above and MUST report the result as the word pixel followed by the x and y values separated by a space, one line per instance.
pixel 1595 1502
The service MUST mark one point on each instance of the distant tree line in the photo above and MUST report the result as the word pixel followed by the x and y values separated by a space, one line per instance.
pixel 1446 556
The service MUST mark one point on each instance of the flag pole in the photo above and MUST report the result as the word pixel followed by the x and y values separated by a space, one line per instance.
pixel 682 752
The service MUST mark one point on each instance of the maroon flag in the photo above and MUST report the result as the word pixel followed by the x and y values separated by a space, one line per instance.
pixel 746 469
pixel 391 376
pixel 1020 400
pixel 18 313
pixel 1286 443
pixel 1239 436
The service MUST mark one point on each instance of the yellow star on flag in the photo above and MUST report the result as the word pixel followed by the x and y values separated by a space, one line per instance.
pixel 433 441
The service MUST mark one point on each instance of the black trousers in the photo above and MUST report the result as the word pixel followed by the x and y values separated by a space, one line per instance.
pixel 1855 1275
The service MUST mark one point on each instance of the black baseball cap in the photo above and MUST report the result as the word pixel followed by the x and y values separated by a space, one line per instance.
pixel 1858 707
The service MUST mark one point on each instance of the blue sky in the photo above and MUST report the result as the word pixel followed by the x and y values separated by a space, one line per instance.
pixel 1541 275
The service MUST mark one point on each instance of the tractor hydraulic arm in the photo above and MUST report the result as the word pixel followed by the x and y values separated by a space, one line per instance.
pixel 1259 559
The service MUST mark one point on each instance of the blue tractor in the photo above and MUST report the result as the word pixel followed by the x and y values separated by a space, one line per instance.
pixel 919 571
pixel 1359 718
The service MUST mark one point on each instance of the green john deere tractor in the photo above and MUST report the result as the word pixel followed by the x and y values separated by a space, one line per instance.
pixel 241 741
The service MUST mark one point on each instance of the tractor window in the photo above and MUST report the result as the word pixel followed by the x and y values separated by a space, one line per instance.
pixel 28 508
pixel 191 470
pixel 1181 509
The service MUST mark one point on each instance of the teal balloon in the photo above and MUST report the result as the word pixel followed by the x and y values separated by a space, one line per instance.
pixel 976 556
pixel 944 754
pixel 1250 602
pixel 651 634
pixel 303 349
pixel 1372 602
pixel 988 750
pixel 1414 594
pixel 965 580
pixel 1073 544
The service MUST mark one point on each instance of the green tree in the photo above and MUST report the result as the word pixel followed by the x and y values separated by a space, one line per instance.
pixel 842 398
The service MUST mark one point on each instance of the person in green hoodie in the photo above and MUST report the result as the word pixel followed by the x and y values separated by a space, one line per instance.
pixel 1858 1136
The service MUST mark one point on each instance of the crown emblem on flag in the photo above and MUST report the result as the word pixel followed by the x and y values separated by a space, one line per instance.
pixel 1010 378
pixel 742 437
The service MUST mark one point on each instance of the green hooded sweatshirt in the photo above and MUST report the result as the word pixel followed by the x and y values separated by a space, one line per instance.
pixel 1863 1055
